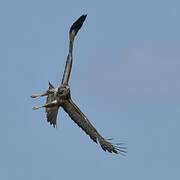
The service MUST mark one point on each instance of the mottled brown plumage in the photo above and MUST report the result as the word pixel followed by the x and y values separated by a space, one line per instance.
pixel 61 97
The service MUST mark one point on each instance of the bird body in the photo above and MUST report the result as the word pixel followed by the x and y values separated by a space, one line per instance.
pixel 61 97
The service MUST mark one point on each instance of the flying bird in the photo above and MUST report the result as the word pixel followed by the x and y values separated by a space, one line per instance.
pixel 61 97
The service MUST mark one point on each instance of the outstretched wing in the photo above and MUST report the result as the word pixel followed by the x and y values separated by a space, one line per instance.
pixel 81 120
pixel 72 33
pixel 51 112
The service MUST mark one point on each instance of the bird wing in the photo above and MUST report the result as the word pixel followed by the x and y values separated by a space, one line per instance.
pixel 81 120
pixel 51 112
pixel 72 33
pixel 67 70
pixel 76 26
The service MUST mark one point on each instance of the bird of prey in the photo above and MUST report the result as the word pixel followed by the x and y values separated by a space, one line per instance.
pixel 61 97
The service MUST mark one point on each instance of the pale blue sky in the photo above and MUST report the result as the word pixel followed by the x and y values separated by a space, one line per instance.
pixel 125 78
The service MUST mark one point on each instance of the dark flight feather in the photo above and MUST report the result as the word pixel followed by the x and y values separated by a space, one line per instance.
pixel 78 24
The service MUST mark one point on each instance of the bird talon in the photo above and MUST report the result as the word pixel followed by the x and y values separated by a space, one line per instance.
pixel 35 108
pixel 34 96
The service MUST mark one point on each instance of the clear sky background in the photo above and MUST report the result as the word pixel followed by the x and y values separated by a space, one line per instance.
pixel 125 78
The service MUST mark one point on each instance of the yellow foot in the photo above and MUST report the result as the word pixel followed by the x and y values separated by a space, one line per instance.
pixel 35 108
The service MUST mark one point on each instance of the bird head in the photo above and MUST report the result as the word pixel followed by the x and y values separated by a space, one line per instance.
pixel 63 92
